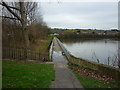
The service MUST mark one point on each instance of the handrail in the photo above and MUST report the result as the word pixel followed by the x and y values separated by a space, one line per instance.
pixel 67 53
pixel 51 50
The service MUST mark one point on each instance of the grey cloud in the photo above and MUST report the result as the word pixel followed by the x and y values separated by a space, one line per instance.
pixel 81 15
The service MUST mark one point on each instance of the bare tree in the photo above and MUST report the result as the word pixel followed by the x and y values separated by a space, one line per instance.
pixel 23 12
pixel 118 53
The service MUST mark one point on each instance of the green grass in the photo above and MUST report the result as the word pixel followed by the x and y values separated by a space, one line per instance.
pixel 52 35
pixel 26 75
pixel 89 82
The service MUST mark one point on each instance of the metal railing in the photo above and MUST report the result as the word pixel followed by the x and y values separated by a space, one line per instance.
pixel 51 50
pixel 67 53
pixel 21 54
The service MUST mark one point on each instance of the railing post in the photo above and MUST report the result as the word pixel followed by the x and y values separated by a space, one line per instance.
pixel 22 54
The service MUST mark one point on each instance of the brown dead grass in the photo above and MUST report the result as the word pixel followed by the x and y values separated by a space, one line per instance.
pixel 42 45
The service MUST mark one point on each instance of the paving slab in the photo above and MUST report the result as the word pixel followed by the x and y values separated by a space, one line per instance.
pixel 64 77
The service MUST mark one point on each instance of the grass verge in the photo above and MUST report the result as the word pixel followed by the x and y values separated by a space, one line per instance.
pixel 89 82
pixel 26 75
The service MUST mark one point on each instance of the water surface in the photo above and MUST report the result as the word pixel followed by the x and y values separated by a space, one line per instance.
pixel 103 51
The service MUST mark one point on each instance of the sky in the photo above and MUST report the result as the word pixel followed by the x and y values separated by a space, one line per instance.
pixel 81 15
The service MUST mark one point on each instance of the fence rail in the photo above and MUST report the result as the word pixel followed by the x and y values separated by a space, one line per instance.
pixel 67 53
pixel 51 50
pixel 22 54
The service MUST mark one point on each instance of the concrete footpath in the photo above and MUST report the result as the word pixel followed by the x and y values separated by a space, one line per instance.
pixel 64 77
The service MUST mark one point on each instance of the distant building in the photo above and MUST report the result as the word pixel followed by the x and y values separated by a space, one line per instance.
pixel 56 34
pixel 100 32
pixel 105 32
pixel 111 32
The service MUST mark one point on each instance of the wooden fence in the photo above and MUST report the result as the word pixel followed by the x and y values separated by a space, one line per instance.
pixel 22 54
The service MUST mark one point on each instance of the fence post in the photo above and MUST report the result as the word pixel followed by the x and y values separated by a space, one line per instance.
pixel 21 54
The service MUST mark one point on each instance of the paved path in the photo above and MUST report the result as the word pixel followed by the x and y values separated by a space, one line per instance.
pixel 64 78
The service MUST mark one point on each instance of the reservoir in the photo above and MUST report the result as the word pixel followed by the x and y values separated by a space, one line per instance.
pixel 103 51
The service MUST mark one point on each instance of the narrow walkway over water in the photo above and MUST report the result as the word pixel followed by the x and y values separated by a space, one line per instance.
pixel 64 78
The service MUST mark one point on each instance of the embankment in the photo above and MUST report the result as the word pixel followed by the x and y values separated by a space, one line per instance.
pixel 99 68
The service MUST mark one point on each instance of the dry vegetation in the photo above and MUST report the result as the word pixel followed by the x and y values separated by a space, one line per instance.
pixel 15 33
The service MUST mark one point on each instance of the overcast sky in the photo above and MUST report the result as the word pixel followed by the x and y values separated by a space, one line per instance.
pixel 93 15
